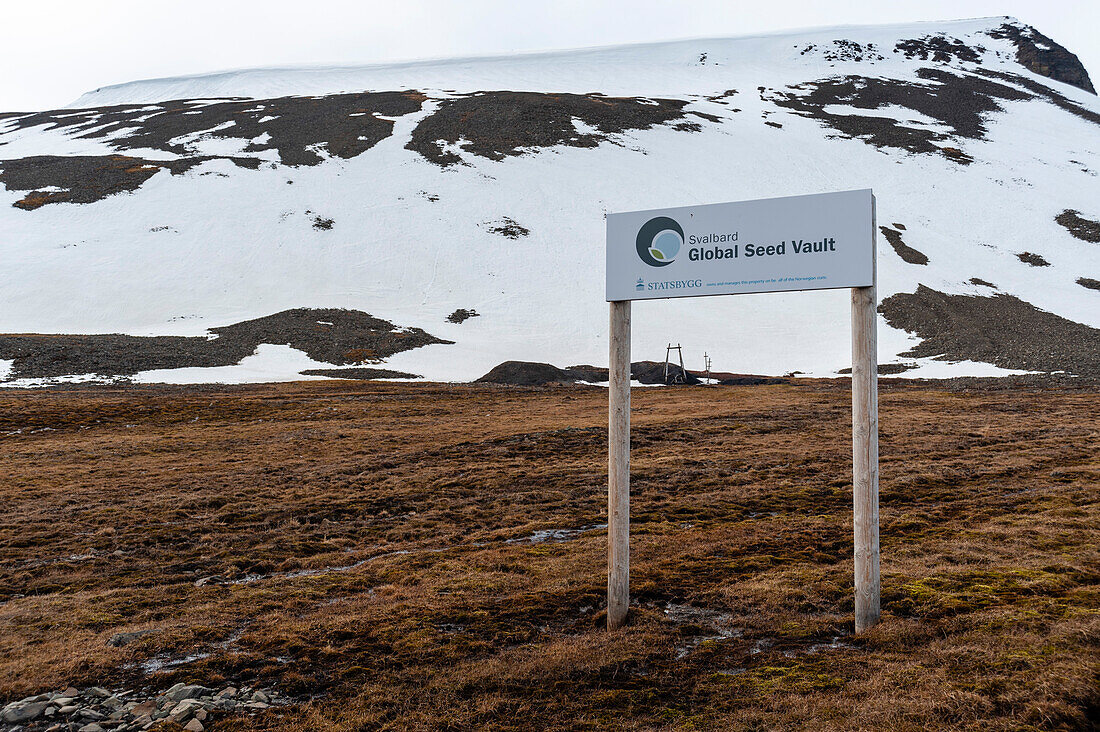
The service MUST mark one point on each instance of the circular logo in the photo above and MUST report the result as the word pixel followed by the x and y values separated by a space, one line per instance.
pixel 659 241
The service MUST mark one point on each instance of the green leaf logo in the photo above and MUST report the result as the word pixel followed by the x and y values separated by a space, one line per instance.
pixel 656 253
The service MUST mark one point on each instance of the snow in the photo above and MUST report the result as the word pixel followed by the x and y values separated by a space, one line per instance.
pixel 239 245
pixel 268 364
pixel 653 69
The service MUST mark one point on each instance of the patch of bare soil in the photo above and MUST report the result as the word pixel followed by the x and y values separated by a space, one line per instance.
pixel 940 48
pixel 508 228
pixel 391 556
pixel 957 328
pixel 907 253
pixel 1032 259
pixel 959 101
pixel 1080 227
pixel 344 125
pixel 461 315
pixel 360 373
pixel 342 337
pixel 844 50
pixel 84 178
pixel 498 124
pixel 1043 92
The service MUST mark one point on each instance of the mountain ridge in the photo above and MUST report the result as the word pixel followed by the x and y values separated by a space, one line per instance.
pixel 409 201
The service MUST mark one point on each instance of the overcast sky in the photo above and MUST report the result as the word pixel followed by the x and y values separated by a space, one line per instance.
pixel 54 51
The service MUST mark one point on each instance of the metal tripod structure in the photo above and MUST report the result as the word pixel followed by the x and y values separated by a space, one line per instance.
pixel 680 378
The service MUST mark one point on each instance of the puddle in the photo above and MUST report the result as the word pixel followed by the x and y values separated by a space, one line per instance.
pixel 552 535
pixel 539 537
pixel 716 626
pixel 835 644
pixel 159 664
pixel 319 571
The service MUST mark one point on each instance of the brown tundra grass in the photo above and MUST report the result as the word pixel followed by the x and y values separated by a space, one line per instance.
pixel 120 505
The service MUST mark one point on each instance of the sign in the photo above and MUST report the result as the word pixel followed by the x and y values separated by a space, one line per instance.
pixel 772 245
pixel 814 242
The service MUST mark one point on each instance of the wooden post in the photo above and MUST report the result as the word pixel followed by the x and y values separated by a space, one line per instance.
pixel 865 455
pixel 618 468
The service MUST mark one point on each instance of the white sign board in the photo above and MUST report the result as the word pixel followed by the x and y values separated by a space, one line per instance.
pixel 812 242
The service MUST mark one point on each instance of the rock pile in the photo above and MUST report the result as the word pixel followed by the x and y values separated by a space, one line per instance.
pixel 98 710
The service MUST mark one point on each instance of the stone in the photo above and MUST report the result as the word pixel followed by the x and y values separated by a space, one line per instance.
pixel 118 640
pixel 201 715
pixel 184 710
pixel 227 693
pixel 112 702
pixel 143 709
pixel 187 692
pixel 63 701
pixel 71 692
pixel 68 709
pixel 20 712
pixel 91 714
pixel 259 696
pixel 93 727
pixel 194 726
pixel 98 692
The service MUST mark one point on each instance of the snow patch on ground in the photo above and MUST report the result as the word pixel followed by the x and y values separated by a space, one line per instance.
pixel 268 364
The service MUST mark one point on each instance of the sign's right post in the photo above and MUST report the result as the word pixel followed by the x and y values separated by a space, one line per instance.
pixel 865 452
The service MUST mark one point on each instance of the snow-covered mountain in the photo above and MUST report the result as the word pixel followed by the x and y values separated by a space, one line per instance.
pixel 252 225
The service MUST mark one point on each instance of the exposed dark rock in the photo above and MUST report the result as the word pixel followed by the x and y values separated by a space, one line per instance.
pixel 751 381
pixel 342 337
pixel 81 178
pixel 845 50
pixel 361 374
pixel 1001 329
pixel 591 374
pixel 1044 92
pixel 959 101
pixel 526 373
pixel 653 372
pixel 508 228
pixel 1045 57
pixel 1080 227
pixel 1033 259
pixel 343 125
pixel 320 222
pixel 899 227
pixel 498 124
pixel 903 250
pixel 1089 283
pixel 940 49
pixel 983 283
pixel 886 369
pixel 687 127
pixel 96 709
pixel 462 314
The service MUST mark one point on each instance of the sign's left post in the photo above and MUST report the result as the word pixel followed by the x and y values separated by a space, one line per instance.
pixel 618 467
